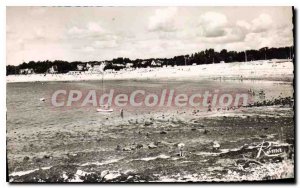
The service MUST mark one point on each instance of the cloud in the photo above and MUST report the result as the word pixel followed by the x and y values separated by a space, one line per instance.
pixel 88 49
pixel 91 29
pixel 94 27
pixel 163 20
pixel 39 34
pixel 264 32
pixel 93 35
pixel 230 35
pixel 153 32
pixel 21 41
pixel 75 31
pixel 243 24
pixel 260 24
pixel 241 31
pixel 263 23
pixel 212 24
pixel 105 44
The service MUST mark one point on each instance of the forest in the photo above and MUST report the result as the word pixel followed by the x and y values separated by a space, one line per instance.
pixel 208 56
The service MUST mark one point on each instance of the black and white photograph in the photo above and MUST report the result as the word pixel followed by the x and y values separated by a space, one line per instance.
pixel 150 94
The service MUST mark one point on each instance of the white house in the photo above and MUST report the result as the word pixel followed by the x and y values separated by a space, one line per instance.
pixel 119 65
pixel 129 65
pixel 97 68
pixel 81 67
pixel 53 69
pixel 156 63
pixel 26 71
pixel 89 66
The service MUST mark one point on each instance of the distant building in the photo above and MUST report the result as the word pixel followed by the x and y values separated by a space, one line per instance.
pixel 96 68
pixel 26 71
pixel 74 72
pixel 129 65
pixel 119 65
pixel 88 66
pixel 143 62
pixel 110 71
pixel 81 67
pixel 156 63
pixel 53 70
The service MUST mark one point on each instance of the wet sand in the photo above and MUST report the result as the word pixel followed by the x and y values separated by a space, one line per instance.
pixel 146 148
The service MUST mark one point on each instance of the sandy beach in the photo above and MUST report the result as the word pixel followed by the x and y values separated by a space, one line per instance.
pixel 275 70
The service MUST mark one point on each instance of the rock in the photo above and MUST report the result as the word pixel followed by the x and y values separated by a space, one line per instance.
pixel 263 136
pixel 71 154
pixel 25 159
pixel 193 129
pixel 38 160
pixel 47 156
pixel 104 173
pixel 133 147
pixel 290 141
pixel 152 146
pixel 139 146
pixel 216 145
pixel 112 175
pixel 126 149
pixel 163 132
pixel 118 148
pixel 148 123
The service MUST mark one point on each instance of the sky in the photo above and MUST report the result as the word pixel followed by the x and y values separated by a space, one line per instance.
pixel 104 33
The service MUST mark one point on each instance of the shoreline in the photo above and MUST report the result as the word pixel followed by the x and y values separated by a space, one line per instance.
pixel 158 147
pixel 271 70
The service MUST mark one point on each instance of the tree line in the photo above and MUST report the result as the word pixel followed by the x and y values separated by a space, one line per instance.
pixel 207 56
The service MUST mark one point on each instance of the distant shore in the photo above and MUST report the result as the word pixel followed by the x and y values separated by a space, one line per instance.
pixel 275 70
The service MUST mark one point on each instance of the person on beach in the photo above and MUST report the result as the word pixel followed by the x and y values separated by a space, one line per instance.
pixel 181 148
pixel 209 106
pixel 122 113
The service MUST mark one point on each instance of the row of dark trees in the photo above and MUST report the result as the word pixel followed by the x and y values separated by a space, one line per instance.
pixel 208 56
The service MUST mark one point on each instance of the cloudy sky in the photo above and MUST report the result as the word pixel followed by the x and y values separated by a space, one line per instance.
pixel 103 33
